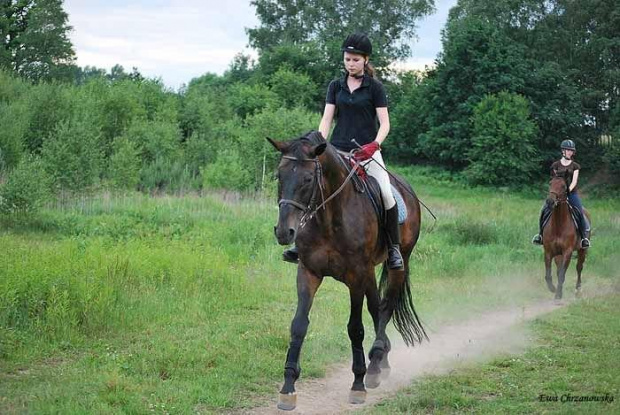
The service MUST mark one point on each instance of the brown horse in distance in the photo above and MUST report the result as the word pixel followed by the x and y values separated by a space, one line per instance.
pixel 338 234
pixel 560 237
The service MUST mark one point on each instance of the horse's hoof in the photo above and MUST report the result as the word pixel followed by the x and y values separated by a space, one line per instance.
pixel 558 301
pixel 287 401
pixel 551 287
pixel 385 373
pixel 357 397
pixel 578 293
pixel 373 381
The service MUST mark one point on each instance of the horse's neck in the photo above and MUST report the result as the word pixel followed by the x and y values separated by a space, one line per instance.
pixel 560 215
pixel 334 175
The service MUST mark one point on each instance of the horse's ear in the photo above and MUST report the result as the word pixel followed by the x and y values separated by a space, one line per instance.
pixel 319 149
pixel 281 146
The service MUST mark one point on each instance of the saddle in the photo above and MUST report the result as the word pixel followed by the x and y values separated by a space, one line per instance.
pixel 576 216
pixel 364 183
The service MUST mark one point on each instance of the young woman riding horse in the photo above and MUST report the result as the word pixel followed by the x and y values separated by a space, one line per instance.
pixel 338 233
pixel 567 169
pixel 359 104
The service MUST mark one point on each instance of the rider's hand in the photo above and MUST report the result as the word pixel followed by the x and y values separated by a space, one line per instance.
pixel 366 151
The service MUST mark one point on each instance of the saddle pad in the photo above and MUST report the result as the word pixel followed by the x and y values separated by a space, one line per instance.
pixel 402 207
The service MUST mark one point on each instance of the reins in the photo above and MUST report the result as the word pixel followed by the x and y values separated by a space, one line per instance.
pixel 308 209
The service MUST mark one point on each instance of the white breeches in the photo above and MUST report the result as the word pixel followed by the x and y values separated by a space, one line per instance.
pixel 374 170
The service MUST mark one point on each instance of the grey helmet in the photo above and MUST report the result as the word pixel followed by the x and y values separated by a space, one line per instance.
pixel 568 145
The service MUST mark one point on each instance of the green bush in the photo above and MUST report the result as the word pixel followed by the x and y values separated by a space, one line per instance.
pixel 227 172
pixel 294 89
pixel 259 157
pixel 167 175
pixel 124 165
pixel 503 152
pixel 155 139
pixel 247 99
pixel 14 121
pixel 27 187
pixel 73 155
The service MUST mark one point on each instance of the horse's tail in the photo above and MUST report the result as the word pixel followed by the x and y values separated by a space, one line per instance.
pixel 396 295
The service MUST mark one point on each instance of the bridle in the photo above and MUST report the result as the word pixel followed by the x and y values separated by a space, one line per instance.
pixel 560 197
pixel 310 208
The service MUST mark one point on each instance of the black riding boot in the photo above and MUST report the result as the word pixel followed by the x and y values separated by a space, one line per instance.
pixel 544 214
pixel 585 235
pixel 291 255
pixel 395 259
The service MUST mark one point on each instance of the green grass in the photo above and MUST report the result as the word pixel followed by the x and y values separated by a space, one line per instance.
pixel 575 355
pixel 134 304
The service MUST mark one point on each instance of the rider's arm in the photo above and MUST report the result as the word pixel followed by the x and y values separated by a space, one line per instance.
pixel 573 183
pixel 326 121
pixel 384 124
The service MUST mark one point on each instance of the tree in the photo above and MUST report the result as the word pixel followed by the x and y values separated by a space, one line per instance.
pixel 477 59
pixel 388 23
pixel 34 39
pixel 503 150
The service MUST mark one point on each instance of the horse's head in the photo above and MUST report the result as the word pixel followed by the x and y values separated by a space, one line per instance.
pixel 299 182
pixel 558 191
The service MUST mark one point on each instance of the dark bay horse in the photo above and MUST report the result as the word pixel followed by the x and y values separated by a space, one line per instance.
pixel 338 234
pixel 560 237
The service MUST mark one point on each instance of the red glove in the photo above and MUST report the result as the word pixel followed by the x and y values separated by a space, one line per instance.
pixel 366 151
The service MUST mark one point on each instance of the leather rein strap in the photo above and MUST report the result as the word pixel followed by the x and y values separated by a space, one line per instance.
pixel 308 209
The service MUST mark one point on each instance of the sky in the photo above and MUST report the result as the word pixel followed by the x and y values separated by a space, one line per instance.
pixel 178 40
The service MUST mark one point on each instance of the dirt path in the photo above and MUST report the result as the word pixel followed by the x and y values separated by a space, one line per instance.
pixel 475 339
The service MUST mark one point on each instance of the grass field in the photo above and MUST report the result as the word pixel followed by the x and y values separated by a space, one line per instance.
pixel 136 304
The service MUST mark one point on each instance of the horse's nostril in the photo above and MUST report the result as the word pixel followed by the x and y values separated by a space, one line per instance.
pixel 291 233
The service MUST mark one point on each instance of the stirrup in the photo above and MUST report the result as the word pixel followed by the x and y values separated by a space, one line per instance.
pixel 537 240
pixel 395 258
pixel 291 255
pixel 585 243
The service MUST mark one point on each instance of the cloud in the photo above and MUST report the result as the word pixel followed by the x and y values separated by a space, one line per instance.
pixel 177 40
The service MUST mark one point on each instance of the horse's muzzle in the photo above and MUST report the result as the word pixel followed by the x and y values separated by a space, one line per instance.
pixel 284 235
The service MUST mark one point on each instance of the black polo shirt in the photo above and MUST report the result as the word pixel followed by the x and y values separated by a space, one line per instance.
pixel 356 114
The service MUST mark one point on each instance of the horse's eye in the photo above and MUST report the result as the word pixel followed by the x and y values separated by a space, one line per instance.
pixel 308 179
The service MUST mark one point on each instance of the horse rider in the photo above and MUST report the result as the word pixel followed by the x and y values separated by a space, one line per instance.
pixel 568 169
pixel 359 104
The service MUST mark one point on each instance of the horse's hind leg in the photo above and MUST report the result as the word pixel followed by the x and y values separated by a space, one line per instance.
pixel 356 334
pixel 378 367
pixel 307 285
pixel 548 272
pixel 581 257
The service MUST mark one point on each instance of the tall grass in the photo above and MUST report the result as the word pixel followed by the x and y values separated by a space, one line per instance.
pixel 119 303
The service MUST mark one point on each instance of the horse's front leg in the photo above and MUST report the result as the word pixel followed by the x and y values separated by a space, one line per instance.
pixel 562 264
pixel 548 271
pixel 307 285
pixel 356 334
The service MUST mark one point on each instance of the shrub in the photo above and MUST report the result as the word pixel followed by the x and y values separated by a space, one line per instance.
pixel 247 99
pixel 124 165
pixel 72 154
pixel 294 89
pixel 227 172
pixel 502 151
pixel 27 187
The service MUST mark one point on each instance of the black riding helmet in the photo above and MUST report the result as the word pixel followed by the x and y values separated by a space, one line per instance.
pixel 568 145
pixel 357 43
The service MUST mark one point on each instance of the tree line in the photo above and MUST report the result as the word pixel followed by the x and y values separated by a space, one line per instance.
pixel 514 79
